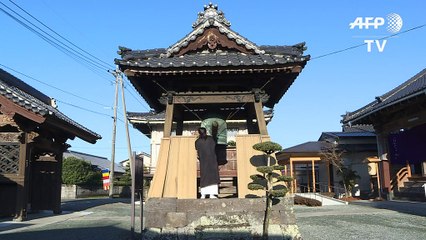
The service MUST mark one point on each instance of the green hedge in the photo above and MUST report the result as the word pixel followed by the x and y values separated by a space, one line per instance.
pixel 76 171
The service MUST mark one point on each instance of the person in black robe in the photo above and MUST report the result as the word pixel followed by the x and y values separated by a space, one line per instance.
pixel 209 172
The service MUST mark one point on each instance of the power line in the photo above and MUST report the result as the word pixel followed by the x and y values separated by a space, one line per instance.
pixel 363 44
pixel 82 108
pixel 143 105
pixel 61 46
pixel 61 90
pixel 105 64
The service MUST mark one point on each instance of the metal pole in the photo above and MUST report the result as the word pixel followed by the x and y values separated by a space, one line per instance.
pixel 129 149
pixel 114 130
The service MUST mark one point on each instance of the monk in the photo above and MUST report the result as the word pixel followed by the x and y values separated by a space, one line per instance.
pixel 209 172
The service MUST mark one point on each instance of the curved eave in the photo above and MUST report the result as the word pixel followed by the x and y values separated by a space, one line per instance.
pixel 148 80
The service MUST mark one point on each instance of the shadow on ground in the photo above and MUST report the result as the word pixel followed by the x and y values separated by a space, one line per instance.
pixel 93 233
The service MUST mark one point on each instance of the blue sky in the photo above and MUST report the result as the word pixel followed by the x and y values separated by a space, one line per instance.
pixel 326 88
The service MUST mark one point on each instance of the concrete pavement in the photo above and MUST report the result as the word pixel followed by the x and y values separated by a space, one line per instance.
pixel 109 219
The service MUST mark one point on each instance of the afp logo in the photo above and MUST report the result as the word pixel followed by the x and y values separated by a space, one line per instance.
pixel 393 25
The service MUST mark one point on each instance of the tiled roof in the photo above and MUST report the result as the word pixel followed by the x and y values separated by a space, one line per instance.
pixel 307 147
pixel 20 94
pixel 147 115
pixel 349 134
pixel 359 128
pixel 212 18
pixel 218 59
pixel 150 116
pixel 413 87
pixel 101 162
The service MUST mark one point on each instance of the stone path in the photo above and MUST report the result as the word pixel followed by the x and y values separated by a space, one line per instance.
pixel 363 220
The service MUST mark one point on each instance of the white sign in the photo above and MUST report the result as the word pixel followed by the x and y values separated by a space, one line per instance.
pixel 393 25
pixel 424 186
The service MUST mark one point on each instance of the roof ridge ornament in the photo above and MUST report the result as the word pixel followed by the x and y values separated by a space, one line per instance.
pixel 211 14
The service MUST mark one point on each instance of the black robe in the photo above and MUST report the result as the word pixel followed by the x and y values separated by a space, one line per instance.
pixel 209 172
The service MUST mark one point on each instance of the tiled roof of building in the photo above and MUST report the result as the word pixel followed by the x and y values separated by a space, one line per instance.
pixel 348 134
pixel 218 59
pixel 32 100
pixel 212 18
pixel 307 147
pixel 411 88
pixel 101 162
pixel 359 128
pixel 152 116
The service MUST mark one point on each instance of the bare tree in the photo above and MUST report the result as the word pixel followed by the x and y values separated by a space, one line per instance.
pixel 332 153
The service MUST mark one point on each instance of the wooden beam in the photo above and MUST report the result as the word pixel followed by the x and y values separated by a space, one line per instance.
pixel 304 159
pixel 200 99
pixel 169 120
pixel 260 118
pixel 9 108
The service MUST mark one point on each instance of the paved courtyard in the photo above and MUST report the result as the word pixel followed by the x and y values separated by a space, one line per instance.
pixel 106 219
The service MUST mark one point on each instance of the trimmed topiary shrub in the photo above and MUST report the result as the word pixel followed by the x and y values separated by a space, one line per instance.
pixel 271 180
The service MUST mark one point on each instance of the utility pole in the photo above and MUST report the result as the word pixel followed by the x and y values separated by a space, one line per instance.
pixel 119 83
pixel 114 131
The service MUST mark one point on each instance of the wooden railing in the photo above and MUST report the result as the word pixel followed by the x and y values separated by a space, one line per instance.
pixel 401 176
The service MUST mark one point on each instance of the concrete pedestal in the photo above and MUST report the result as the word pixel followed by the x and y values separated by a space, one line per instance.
pixel 168 218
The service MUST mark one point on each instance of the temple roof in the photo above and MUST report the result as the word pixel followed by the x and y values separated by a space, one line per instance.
pixel 212 57
pixel 410 89
pixel 100 162
pixel 36 102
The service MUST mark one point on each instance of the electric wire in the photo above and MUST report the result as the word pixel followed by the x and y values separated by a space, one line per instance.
pixel 88 110
pixel 56 88
pixel 143 105
pixel 61 46
pixel 105 64
pixel 363 44
pixel 82 108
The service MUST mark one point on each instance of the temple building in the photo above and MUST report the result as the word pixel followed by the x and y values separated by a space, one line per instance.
pixel 399 120
pixel 212 75
pixel 33 135
pixel 151 124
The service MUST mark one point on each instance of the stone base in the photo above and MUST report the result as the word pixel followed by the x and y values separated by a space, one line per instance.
pixel 169 218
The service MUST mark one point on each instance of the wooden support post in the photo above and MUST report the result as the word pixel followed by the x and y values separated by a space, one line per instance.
pixel 328 175
pixel 169 120
pixel 58 184
pixel 313 176
pixel 260 118
pixel 308 180
pixel 384 170
pixel 22 190
pixel 291 175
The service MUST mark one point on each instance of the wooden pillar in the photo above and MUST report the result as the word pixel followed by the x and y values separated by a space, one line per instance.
pixel 313 176
pixel 179 121
pixel 384 170
pixel 328 175
pixel 58 184
pixel 169 120
pixel 260 118
pixel 22 190
pixel 308 178
pixel 291 175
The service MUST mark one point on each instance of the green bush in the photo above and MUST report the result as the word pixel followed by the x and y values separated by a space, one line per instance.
pixel 79 172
